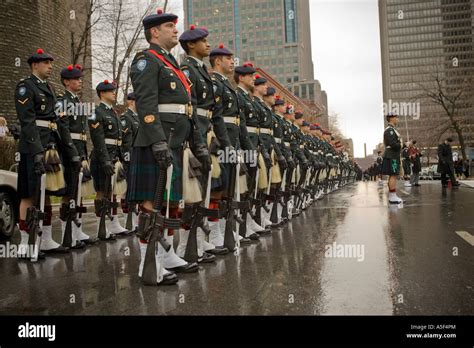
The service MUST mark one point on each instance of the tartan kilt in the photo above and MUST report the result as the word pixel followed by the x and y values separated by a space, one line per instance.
pixel 143 175
pixel 391 166
pixel 27 179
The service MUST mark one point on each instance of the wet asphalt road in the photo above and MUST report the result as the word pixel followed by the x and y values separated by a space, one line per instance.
pixel 407 266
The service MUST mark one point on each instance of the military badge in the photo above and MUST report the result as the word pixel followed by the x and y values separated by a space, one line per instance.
pixel 141 65
pixel 173 85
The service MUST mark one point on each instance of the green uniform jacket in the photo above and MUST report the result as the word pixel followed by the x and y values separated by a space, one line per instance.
pixel 227 100
pixel 75 120
pixel 157 84
pixel 105 124
pixel 203 98
pixel 35 100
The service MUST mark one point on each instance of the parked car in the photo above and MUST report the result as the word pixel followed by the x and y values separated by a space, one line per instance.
pixel 9 203
pixel 425 174
pixel 434 172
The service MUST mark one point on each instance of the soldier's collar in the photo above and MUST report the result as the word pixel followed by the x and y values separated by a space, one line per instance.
pixel 218 73
pixel 200 62
pixel 159 49
pixel 279 114
pixel 107 106
pixel 38 80
pixel 244 90
pixel 71 93
pixel 133 112
pixel 257 97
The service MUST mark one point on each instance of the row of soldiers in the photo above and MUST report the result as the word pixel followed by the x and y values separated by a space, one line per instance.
pixel 219 165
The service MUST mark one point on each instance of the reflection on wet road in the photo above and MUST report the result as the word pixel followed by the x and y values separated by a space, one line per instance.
pixel 347 254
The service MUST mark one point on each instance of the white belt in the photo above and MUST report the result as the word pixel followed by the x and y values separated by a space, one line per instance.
pixel 287 144
pixel 266 131
pixel 204 112
pixel 46 124
pixel 183 109
pixel 252 130
pixel 278 140
pixel 301 146
pixel 232 119
pixel 79 136
pixel 117 142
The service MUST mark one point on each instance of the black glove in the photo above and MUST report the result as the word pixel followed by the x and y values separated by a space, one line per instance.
pixel 291 163
pixel 162 154
pixel 282 163
pixel 304 165
pixel 109 168
pixel 39 164
pixel 202 154
pixel 266 158
pixel 76 163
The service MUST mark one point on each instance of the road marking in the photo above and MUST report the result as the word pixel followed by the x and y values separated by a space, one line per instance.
pixel 405 192
pixel 466 236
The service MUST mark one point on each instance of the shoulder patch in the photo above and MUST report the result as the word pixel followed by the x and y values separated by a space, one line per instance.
pixel 141 64
pixel 124 123
pixel 215 88
pixel 186 72
pixel 22 91
pixel 92 117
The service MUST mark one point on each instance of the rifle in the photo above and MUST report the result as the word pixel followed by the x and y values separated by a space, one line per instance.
pixel 276 200
pixel 246 210
pixel 132 208
pixel 69 211
pixel 104 209
pixel 34 217
pixel 233 208
pixel 197 214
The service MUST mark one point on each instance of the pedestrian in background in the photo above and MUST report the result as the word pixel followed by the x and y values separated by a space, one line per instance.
pixel 414 155
pixel 406 162
pixel 446 163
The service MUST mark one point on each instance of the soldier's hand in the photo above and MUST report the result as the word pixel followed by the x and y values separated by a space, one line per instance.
pixel 304 165
pixel 76 163
pixel 202 154
pixel 267 159
pixel 282 163
pixel 109 168
pixel 291 163
pixel 162 154
pixel 39 164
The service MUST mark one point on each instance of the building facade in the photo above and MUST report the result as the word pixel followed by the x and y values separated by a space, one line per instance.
pixel 28 25
pixel 427 48
pixel 274 34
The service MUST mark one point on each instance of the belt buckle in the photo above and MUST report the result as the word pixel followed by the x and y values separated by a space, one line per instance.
pixel 119 142
pixel 237 120
pixel 53 126
pixel 209 114
pixel 83 137
pixel 189 110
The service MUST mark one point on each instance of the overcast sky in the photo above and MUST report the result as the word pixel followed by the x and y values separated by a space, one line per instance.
pixel 346 55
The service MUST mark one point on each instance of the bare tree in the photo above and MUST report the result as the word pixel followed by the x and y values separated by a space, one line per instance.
pixel 81 30
pixel 334 126
pixel 455 99
pixel 121 31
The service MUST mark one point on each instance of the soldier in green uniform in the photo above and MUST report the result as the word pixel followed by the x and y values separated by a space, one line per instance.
pixel 275 141
pixel 391 157
pixel 42 136
pixel 244 78
pixel 130 124
pixel 164 106
pixel 106 135
pixel 69 104
pixel 227 102
pixel 211 125
pixel 270 151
